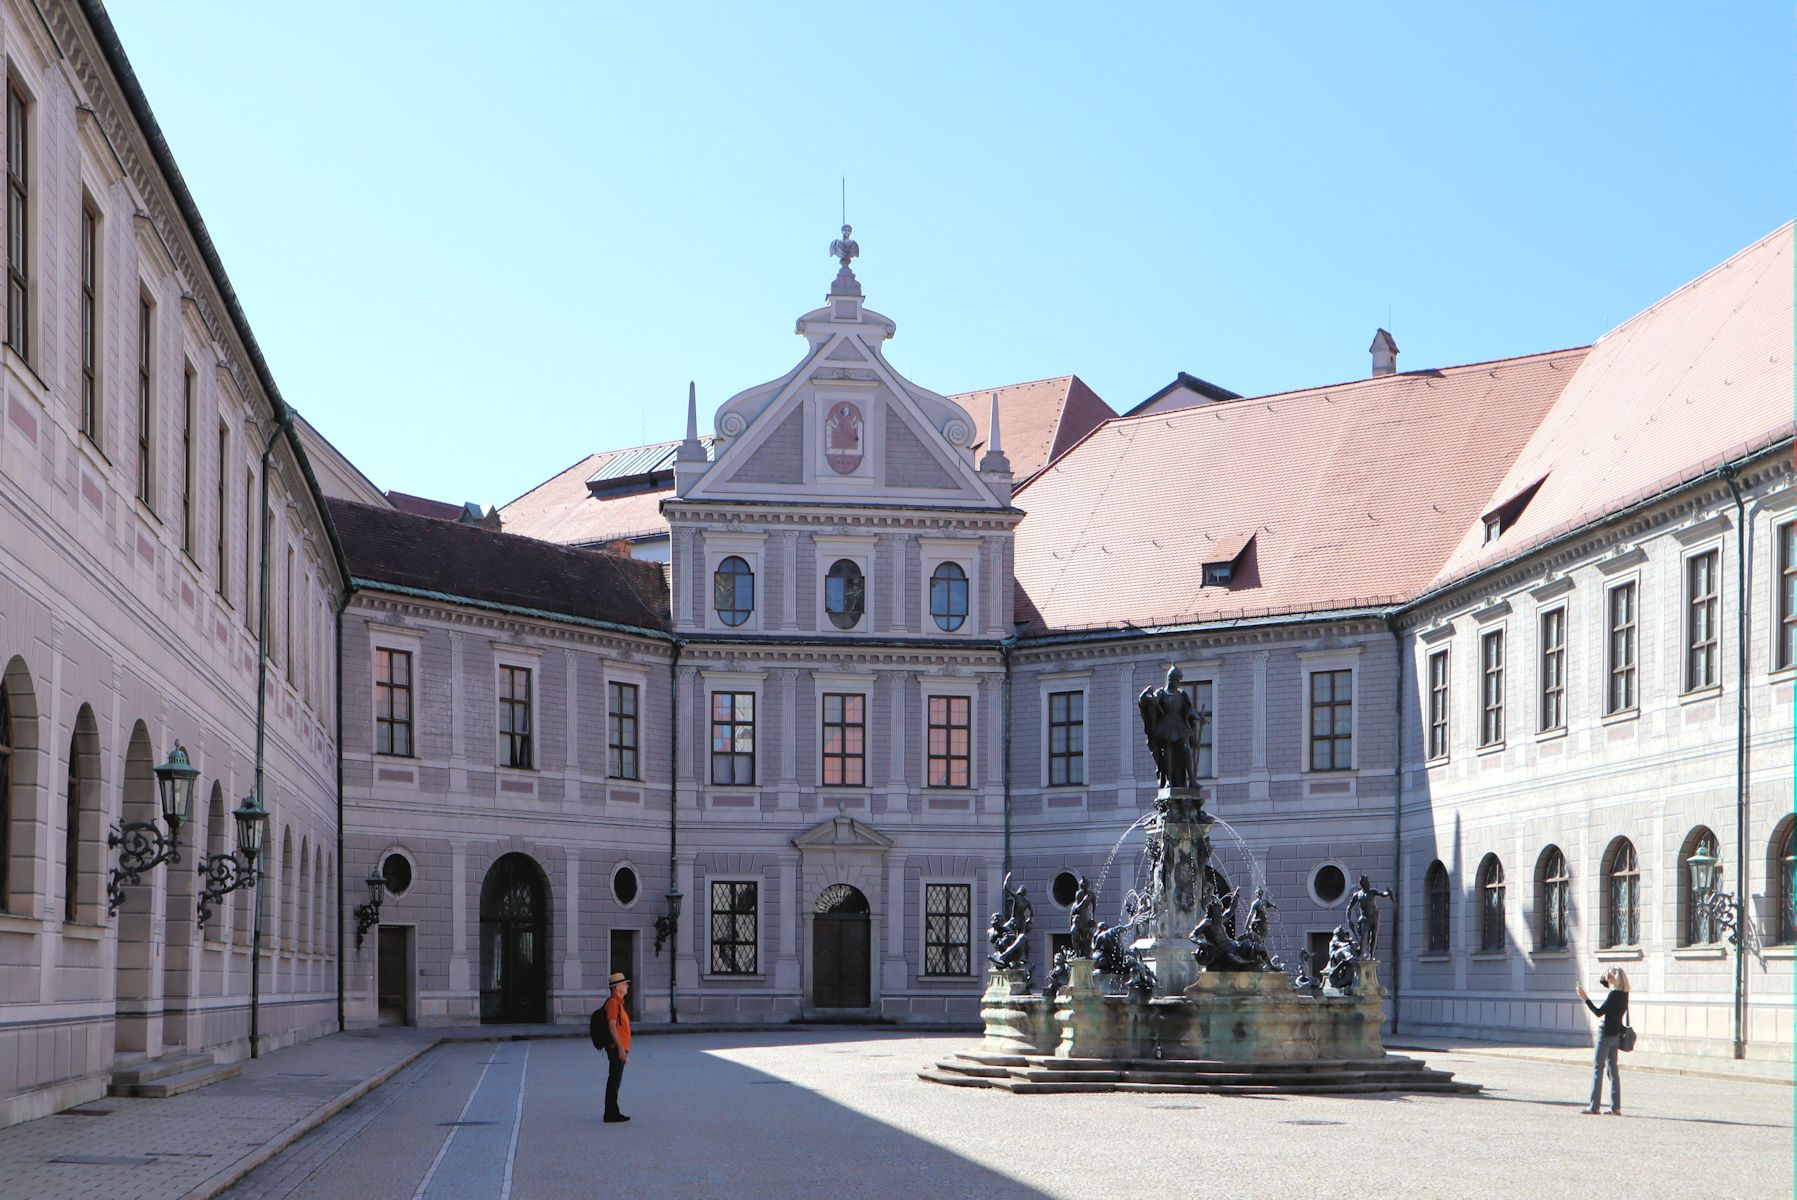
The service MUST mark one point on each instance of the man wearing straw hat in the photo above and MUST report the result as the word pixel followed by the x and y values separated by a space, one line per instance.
pixel 617 1050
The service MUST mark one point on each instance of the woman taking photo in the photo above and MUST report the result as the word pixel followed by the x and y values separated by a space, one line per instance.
pixel 1614 1010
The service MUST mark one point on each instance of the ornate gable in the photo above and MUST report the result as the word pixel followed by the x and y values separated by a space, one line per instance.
pixel 843 425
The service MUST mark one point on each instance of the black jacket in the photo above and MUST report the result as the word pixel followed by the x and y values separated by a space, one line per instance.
pixel 1614 1008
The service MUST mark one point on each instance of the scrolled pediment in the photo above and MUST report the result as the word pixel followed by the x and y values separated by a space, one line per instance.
pixel 843 832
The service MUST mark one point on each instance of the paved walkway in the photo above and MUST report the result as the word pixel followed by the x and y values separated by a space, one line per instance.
pixel 196 1146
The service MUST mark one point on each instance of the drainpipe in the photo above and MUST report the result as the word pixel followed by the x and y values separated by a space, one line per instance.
pixel 1397 825
pixel 674 825
pixel 285 425
pixel 1741 635
pixel 348 592
pixel 1004 652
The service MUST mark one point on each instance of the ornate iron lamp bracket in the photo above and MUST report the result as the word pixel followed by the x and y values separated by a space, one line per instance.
pixel 146 847
pixel 368 915
pixel 224 874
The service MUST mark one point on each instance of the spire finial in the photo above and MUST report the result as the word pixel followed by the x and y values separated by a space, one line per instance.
pixel 691 450
pixel 994 459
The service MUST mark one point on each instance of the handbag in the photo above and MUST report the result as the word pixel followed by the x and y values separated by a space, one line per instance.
pixel 1627 1041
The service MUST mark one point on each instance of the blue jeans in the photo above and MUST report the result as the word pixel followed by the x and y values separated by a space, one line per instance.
pixel 1606 1053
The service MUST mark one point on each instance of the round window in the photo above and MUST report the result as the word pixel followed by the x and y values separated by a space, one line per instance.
pixel 624 886
pixel 396 869
pixel 1065 887
pixel 1328 884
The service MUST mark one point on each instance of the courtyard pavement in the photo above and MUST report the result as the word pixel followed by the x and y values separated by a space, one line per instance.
pixel 840 1112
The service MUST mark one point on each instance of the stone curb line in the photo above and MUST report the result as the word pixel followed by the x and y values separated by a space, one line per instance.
pixel 1643 1068
pixel 234 1174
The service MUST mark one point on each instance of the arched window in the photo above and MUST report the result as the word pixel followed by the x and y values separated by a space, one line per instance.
pixel 1491 905
pixel 845 594
pixel 5 794
pixel 948 596
pixel 71 846
pixel 733 591
pixel 1555 889
pixel 1695 927
pixel 1784 881
pixel 1622 899
pixel 1435 887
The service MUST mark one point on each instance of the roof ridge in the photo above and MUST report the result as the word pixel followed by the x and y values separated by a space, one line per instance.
pixel 1003 387
pixel 1694 281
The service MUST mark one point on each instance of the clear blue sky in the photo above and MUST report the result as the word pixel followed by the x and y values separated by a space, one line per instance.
pixel 476 246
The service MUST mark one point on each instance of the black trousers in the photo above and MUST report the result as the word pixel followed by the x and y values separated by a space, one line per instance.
pixel 613 1078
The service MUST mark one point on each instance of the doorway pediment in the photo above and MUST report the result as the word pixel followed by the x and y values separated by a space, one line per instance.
pixel 843 832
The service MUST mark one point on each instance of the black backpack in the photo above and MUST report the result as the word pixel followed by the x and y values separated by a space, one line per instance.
pixel 600 1030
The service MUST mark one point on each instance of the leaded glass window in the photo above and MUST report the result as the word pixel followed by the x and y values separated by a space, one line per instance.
pixel 734 939
pixel 950 736
pixel 845 594
pixel 733 738
pixel 948 929
pixel 1555 889
pixel 948 596
pixel 1331 720
pixel 1491 905
pixel 733 591
pixel 1623 928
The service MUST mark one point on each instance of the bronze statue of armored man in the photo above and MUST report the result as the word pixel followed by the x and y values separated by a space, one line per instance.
pixel 1172 722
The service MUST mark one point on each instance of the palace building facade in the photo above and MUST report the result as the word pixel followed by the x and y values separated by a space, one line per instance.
pixel 763 715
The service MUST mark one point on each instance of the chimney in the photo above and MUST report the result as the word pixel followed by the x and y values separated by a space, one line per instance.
pixel 1385 354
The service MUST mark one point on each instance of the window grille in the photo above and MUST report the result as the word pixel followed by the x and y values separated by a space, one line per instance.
pixel 1491 905
pixel 948 929
pixel 1555 891
pixel 1624 871
pixel 734 939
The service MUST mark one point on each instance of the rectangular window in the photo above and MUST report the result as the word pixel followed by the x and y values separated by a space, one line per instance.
pixel 844 740
pixel 733 738
pixel 1491 692
pixel 514 718
pixel 950 741
pixel 90 324
pixel 146 489
pixel 393 702
pixel 1438 704
pixel 734 939
pixel 621 718
pixel 1703 603
pixel 1066 739
pixel 1202 694
pixel 1620 693
pixel 1331 720
pixel 250 512
pixel 18 244
pixel 287 653
pixel 1787 596
pixel 220 551
pixel 948 929
pixel 1553 669
pixel 187 460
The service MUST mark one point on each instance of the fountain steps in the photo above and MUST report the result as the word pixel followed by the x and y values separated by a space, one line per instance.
pixel 1021 1074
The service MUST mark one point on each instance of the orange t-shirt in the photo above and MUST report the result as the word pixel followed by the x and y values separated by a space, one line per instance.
pixel 614 1010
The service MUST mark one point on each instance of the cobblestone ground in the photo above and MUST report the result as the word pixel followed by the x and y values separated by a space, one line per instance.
pixel 839 1114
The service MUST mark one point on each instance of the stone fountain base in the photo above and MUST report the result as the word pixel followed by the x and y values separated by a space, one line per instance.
pixel 1229 1031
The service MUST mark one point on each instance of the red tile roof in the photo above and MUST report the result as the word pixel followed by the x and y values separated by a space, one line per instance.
pixel 563 509
pixel 1354 494
pixel 419 506
pixel 1038 422
pixel 426 554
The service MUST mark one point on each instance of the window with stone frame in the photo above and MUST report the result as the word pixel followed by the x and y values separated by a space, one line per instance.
pixel 1491 688
pixel 1332 720
pixel 90 323
pixel 845 593
pixel 844 740
pixel 18 220
pixel 516 730
pixel 1555 894
pixel 948 596
pixel 1622 604
pixel 735 940
pixel 1202 693
pixel 733 590
pixel 733 739
pixel 393 702
pixel 1491 905
pixel 622 758
pixel 187 496
pixel 948 929
pixel 1438 704
pixel 1066 739
pixel 1784 874
pixel 1552 714
pixel 1785 655
pixel 1440 900
pixel 1622 899
pixel 146 408
pixel 1703 603
pixel 221 551
pixel 950 741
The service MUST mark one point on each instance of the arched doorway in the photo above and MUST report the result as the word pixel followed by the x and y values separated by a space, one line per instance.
pixel 841 939
pixel 514 942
